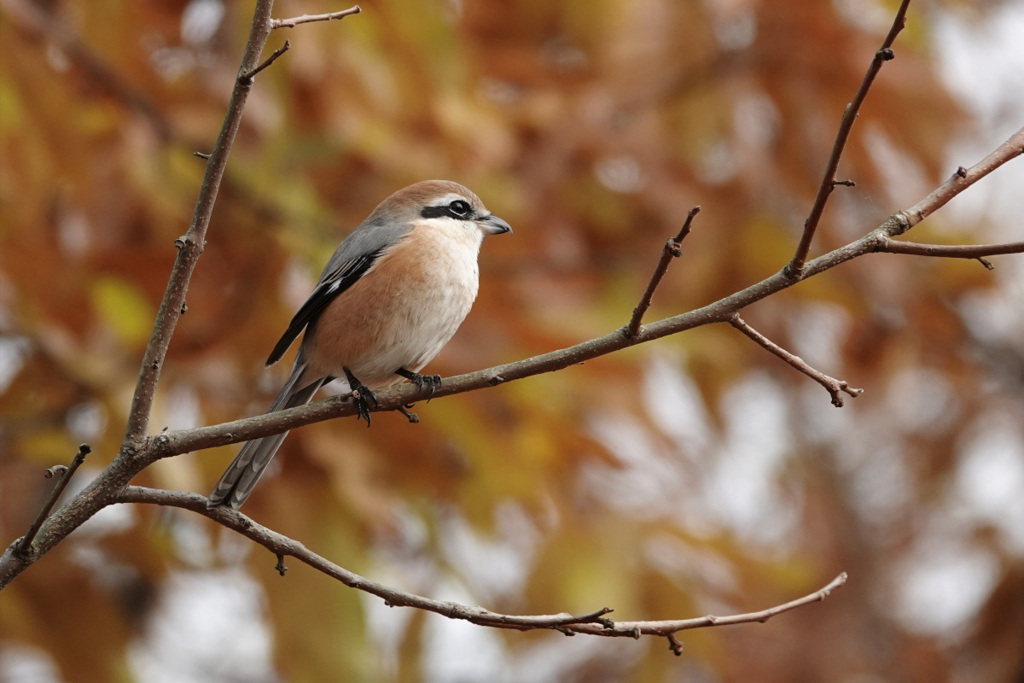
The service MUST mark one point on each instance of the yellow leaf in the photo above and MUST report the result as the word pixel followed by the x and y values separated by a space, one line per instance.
pixel 123 308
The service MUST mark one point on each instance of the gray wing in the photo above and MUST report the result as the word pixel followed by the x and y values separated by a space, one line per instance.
pixel 352 259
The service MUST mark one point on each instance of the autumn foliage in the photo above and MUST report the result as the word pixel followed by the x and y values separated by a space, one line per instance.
pixel 696 474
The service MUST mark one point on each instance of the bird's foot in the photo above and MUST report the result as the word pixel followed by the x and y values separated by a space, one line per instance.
pixel 362 396
pixel 432 382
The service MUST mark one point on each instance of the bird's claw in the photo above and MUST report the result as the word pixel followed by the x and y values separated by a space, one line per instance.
pixel 432 382
pixel 412 417
pixel 361 396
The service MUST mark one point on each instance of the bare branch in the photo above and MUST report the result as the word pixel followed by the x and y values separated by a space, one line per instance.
pixel 309 18
pixel 833 385
pixel 594 623
pixel 795 269
pixel 965 251
pixel 24 546
pixel 673 248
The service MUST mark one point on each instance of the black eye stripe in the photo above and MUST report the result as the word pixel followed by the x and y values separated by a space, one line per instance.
pixel 458 208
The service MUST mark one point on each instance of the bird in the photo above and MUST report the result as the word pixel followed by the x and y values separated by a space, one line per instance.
pixel 390 297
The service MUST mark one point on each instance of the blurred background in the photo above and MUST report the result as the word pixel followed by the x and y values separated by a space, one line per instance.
pixel 697 474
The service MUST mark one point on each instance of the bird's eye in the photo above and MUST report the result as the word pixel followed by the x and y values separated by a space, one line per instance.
pixel 459 208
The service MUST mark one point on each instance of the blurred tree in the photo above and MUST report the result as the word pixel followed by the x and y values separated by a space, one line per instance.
pixel 693 475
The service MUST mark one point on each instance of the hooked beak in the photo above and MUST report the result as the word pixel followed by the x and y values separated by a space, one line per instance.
pixel 493 225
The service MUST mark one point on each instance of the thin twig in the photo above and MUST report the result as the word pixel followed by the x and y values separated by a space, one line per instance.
pixel 24 546
pixel 795 269
pixel 958 181
pixel 833 385
pixel 673 248
pixel 965 251
pixel 247 77
pixel 663 628
pixel 594 623
pixel 309 18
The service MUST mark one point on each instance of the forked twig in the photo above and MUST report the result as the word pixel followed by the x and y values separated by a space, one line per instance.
pixel 833 385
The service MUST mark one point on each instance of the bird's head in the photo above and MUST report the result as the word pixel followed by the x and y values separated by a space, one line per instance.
pixel 441 201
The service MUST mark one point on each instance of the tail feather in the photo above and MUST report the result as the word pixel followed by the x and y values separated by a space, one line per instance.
pixel 241 476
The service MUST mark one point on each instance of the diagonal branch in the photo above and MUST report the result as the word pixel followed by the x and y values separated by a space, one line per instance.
pixel 135 449
pixel 834 386
pixel 41 18
pixel 795 269
pixel 247 76
pixel 191 245
pixel 594 623
pixel 24 546
pixel 961 179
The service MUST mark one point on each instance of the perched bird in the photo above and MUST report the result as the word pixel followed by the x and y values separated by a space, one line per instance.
pixel 389 299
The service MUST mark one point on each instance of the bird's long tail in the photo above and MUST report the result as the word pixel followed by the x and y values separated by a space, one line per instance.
pixel 241 476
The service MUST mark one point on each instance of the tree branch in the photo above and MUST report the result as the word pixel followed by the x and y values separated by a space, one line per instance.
pixel 41 19
pixel 594 623
pixel 111 486
pixel 795 269
pixel 833 385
